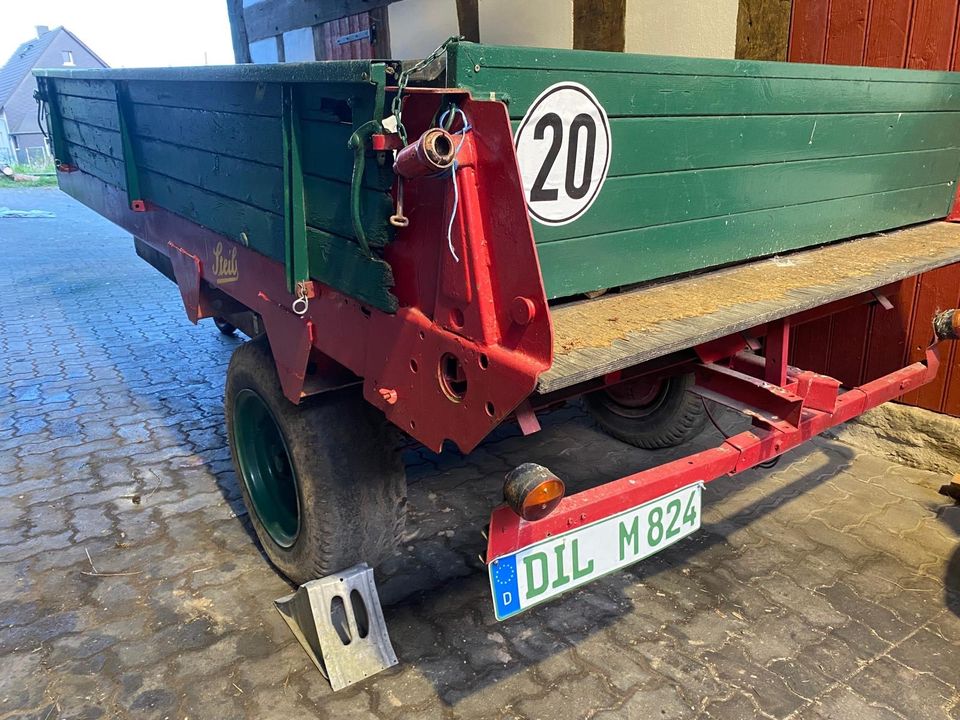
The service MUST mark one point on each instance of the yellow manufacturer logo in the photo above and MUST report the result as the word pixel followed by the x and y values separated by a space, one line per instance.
pixel 225 268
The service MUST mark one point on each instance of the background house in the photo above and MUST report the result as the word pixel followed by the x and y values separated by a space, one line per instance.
pixel 20 136
pixel 298 30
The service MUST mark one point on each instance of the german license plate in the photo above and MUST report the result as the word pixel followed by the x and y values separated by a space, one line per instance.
pixel 545 569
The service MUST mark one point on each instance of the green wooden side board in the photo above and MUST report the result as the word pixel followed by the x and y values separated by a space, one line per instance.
pixel 713 161
pixel 259 155
pixel 718 161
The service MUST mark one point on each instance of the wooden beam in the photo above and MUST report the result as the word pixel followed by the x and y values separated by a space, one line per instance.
pixel 763 28
pixel 599 25
pixel 380 32
pixel 238 31
pixel 275 17
pixel 468 18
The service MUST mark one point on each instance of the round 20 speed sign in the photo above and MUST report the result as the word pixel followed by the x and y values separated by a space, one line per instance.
pixel 563 147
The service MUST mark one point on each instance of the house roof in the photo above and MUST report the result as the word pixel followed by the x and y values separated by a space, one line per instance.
pixel 28 125
pixel 22 62
pixel 26 57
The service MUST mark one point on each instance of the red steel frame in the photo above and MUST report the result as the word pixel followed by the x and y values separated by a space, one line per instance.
pixel 788 406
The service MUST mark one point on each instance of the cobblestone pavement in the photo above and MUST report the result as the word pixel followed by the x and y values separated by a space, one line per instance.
pixel 827 587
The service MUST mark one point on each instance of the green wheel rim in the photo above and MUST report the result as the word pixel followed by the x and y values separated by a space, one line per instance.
pixel 265 468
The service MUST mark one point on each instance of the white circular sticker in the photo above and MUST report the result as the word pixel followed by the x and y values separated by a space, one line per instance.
pixel 563 147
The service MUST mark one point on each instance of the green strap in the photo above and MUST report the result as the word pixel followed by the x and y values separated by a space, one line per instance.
pixel 358 142
pixel 296 252
pixel 131 173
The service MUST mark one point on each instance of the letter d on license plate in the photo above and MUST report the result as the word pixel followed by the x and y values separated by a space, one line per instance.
pixel 541 571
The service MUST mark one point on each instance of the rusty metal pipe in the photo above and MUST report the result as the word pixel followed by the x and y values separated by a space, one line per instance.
pixel 433 153
pixel 946 325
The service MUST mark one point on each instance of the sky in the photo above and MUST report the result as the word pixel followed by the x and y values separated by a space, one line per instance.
pixel 127 33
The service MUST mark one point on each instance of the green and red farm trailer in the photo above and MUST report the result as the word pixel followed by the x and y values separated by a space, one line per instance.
pixel 436 248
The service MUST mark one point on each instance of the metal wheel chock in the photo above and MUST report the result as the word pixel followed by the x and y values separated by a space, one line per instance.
pixel 339 623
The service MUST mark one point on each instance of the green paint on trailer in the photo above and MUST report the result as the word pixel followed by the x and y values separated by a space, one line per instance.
pixel 248 182
pixel 322 141
pixel 732 141
pixel 99 113
pixel 714 161
pixel 729 191
pixel 343 264
pixel 335 217
pixel 223 155
pixel 97 140
pixel 66 85
pixel 106 168
pixel 343 72
pixel 244 98
pixel 131 171
pixel 719 161
pixel 294 215
pixel 248 137
pixel 233 219
pixel 265 467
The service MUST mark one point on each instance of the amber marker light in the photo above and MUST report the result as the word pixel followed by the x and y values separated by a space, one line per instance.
pixel 532 491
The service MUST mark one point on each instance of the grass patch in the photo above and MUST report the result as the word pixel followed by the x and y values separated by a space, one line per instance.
pixel 47 169
pixel 40 176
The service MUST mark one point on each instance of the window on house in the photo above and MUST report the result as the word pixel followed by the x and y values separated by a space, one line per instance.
pixel 68 57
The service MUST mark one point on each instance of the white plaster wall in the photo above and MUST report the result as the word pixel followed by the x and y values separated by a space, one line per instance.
pixel 298 45
pixel 417 27
pixel 264 51
pixel 533 23
pixel 694 28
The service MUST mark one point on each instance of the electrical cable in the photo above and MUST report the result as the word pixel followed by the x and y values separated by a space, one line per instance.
pixel 462 132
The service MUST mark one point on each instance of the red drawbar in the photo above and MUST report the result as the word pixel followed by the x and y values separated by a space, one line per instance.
pixel 769 437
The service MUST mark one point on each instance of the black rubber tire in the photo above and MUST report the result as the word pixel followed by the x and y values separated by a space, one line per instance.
pixel 672 418
pixel 352 486
pixel 224 327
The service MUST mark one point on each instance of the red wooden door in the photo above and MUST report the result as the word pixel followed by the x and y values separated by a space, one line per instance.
pixel 356 37
pixel 864 343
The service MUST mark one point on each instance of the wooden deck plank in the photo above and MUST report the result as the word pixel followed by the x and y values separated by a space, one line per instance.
pixel 592 338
